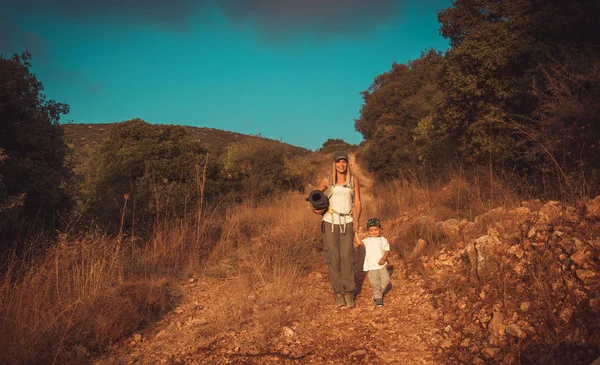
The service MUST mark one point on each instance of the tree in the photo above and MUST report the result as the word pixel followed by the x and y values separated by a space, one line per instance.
pixel 33 173
pixel 335 144
pixel 258 167
pixel 393 107
pixel 499 52
pixel 149 168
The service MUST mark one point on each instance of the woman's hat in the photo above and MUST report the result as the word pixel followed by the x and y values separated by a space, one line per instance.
pixel 318 199
pixel 340 155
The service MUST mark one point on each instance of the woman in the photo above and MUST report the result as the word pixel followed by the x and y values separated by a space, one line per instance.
pixel 339 223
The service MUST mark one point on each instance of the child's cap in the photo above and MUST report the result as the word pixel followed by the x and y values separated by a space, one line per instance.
pixel 373 222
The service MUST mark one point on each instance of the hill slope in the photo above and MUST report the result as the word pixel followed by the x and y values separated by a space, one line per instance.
pixel 79 136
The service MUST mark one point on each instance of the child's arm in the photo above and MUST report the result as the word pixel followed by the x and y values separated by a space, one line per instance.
pixel 384 257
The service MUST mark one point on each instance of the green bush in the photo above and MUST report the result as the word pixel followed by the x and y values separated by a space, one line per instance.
pixel 257 167
pixel 142 172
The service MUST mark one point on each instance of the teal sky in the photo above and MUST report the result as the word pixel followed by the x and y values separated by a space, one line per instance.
pixel 284 69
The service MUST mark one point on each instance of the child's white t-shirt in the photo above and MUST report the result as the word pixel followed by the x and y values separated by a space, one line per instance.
pixel 375 247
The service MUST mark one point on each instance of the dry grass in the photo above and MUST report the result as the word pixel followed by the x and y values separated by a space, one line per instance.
pixel 413 208
pixel 91 291
pixel 263 261
pixel 77 298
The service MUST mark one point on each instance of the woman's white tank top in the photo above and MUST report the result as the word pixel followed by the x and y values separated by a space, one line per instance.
pixel 341 204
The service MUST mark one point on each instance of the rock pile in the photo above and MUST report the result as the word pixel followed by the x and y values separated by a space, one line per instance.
pixel 527 291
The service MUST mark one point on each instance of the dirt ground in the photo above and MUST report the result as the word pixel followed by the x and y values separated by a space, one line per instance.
pixel 402 332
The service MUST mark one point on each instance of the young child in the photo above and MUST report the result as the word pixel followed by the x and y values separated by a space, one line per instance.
pixel 377 250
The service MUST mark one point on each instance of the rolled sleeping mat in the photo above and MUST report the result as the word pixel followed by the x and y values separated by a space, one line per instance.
pixel 318 199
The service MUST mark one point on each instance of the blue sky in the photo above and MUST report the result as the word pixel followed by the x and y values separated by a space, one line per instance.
pixel 285 69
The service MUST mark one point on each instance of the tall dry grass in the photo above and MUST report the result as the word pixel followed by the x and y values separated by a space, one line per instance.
pixel 78 298
pixel 88 291
pixel 263 260
pixel 414 206
pixel 92 290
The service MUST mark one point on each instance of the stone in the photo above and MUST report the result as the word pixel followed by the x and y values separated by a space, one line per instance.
pixel 176 293
pixel 446 344
pixel 451 228
pixel 472 254
pixel 593 208
pixel 137 337
pixel 517 251
pixel 449 318
pixel 587 276
pixel 547 216
pixel 490 352
pixel 515 331
pixel 566 314
pixel 419 248
pixel 287 331
pixel 470 231
pixel 581 257
pixel 495 326
pixel 477 361
pixel 509 359
pixel 527 327
pixel 485 247
pixel 525 306
pixel 357 353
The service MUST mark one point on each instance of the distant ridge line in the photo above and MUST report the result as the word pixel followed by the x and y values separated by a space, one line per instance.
pixel 80 135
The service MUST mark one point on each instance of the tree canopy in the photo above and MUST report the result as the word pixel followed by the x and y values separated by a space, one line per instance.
pixel 394 105
pixel 515 91
pixel 33 174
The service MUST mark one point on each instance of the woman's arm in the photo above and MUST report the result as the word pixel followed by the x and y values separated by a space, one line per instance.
pixel 357 241
pixel 357 204
pixel 323 185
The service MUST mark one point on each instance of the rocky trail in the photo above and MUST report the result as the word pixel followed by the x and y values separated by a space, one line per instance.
pixel 404 331
pixel 398 333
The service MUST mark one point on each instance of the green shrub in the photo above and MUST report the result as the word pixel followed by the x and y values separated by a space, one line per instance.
pixel 257 167
pixel 143 172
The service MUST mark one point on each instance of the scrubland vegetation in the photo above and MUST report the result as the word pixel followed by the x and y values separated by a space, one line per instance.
pixel 96 240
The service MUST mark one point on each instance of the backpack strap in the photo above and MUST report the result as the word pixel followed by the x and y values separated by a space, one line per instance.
pixel 329 193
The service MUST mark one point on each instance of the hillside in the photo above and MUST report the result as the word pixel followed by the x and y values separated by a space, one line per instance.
pixel 80 136
pixel 223 315
pixel 517 284
pixel 513 286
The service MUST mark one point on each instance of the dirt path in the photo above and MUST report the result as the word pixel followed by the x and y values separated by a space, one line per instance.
pixel 401 332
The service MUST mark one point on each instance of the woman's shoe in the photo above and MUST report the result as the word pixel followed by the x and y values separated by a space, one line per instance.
pixel 339 300
pixel 349 298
